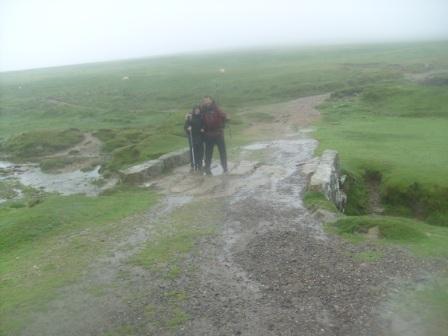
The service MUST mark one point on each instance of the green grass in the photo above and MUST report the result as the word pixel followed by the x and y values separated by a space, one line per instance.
pixel 397 129
pixel 147 110
pixel 316 200
pixel 368 256
pixel 423 239
pixel 10 189
pixel 378 120
pixel 41 142
pixel 390 228
pixel 389 136
pixel 49 245
pixel 54 164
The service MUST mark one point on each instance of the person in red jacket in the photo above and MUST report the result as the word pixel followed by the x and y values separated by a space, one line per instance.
pixel 214 121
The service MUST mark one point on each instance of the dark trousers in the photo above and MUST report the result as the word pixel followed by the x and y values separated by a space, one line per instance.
pixel 198 148
pixel 210 143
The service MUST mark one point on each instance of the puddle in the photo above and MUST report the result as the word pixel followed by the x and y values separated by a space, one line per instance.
pixel 69 183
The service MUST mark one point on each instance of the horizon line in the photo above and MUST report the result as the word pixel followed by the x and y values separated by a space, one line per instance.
pixel 231 49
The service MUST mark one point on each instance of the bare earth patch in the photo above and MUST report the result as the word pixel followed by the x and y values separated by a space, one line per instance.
pixel 287 117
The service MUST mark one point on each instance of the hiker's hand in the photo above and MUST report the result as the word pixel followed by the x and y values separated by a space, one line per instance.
pixel 189 128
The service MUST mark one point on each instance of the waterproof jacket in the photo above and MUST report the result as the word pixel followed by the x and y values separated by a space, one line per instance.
pixel 214 123
pixel 195 121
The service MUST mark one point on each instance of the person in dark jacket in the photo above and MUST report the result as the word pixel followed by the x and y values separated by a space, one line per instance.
pixel 214 121
pixel 194 127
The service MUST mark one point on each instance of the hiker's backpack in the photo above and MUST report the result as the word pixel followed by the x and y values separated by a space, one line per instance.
pixel 214 121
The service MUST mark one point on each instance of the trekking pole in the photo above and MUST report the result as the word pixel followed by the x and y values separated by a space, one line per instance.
pixel 192 150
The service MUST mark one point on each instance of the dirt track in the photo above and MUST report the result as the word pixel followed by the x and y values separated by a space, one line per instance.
pixel 270 269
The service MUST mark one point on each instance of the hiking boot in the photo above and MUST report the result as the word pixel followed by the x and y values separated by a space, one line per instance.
pixel 208 172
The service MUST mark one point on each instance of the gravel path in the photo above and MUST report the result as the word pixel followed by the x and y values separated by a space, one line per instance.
pixel 274 271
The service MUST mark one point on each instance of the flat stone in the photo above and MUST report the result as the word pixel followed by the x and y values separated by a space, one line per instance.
pixel 147 170
pixel 308 168
pixel 175 159
pixel 142 172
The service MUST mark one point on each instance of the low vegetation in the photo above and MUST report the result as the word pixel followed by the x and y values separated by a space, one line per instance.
pixel 48 245
pixel 422 238
pixel 175 237
pixel 52 165
pixel 380 118
pixel 316 200
pixel 32 144
pixel 398 130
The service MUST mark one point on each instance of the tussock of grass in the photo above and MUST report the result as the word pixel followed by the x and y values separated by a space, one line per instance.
pixel 54 164
pixel 43 142
pixel 423 239
pixel 133 145
pixel 390 228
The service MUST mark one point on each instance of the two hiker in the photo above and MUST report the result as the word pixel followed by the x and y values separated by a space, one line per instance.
pixel 205 125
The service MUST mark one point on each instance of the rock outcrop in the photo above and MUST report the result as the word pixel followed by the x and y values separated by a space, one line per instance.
pixel 145 171
pixel 324 177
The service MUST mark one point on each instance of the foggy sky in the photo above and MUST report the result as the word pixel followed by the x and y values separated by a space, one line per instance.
pixel 40 33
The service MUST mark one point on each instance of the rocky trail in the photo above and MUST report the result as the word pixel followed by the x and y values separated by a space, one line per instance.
pixel 269 268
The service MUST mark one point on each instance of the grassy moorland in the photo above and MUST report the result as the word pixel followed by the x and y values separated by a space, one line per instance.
pixel 48 245
pixel 396 133
pixel 387 117
pixel 136 107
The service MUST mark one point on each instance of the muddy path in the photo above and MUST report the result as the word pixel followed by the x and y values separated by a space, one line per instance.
pixel 269 268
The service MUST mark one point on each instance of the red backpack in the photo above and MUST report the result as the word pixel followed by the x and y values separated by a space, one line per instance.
pixel 214 122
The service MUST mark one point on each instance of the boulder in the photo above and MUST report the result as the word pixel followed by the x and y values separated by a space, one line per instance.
pixel 326 179
pixel 142 172
pixel 175 159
